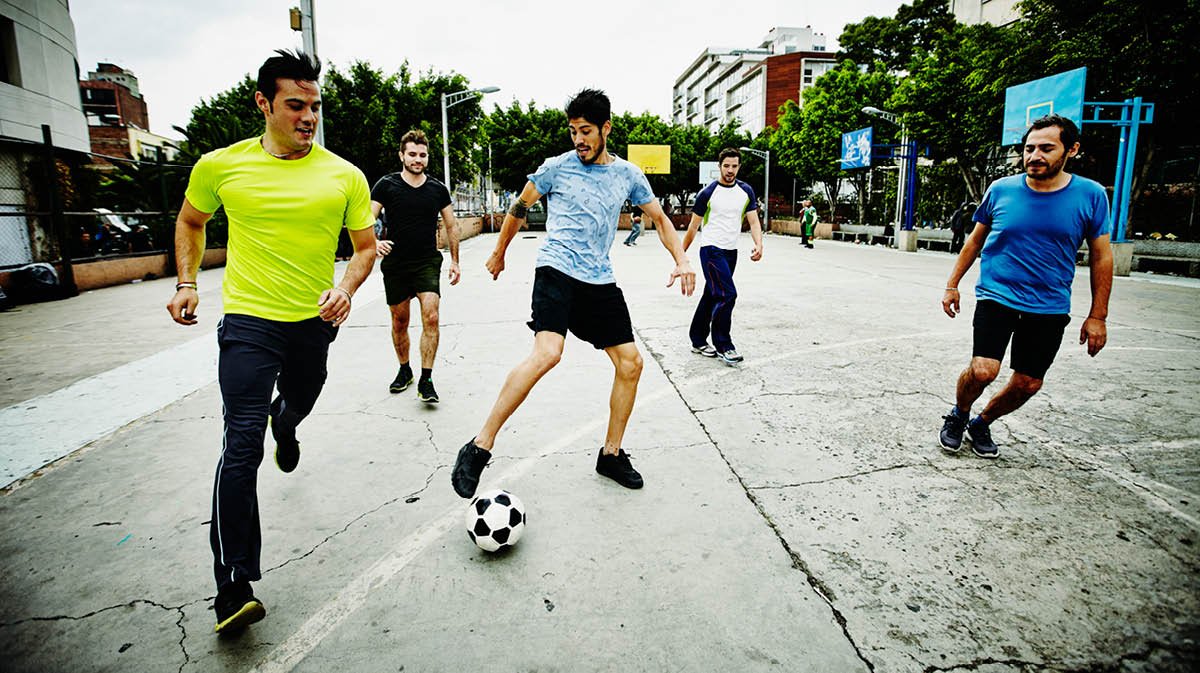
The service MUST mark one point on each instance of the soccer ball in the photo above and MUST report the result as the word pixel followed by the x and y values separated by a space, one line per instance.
pixel 495 520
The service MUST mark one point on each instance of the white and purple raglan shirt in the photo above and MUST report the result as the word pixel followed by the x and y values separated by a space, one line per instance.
pixel 723 207
pixel 584 205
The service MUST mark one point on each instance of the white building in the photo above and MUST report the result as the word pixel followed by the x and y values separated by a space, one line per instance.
pixel 749 85
pixel 995 12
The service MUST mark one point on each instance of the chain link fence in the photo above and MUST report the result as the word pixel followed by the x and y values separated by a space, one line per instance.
pixel 61 208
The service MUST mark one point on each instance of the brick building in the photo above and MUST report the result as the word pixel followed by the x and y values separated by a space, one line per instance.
pixel 117 116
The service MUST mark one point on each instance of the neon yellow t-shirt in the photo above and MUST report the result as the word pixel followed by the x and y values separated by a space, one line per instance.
pixel 284 220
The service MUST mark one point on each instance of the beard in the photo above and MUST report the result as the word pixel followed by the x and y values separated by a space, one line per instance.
pixel 415 170
pixel 592 159
pixel 1050 170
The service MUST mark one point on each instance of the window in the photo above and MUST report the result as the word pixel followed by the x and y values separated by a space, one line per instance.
pixel 10 66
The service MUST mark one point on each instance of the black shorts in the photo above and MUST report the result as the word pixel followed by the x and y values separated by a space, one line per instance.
pixel 1035 336
pixel 596 314
pixel 405 279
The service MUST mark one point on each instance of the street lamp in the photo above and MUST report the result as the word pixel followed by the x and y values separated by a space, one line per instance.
pixel 903 198
pixel 766 156
pixel 450 100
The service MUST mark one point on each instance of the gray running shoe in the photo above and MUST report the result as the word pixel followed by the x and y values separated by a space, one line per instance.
pixel 705 350
pixel 730 357
pixel 981 439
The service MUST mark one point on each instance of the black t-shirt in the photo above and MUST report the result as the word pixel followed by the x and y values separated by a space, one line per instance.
pixel 412 216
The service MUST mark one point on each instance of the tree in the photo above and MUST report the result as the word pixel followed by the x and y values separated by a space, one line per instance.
pixel 894 41
pixel 521 139
pixel 808 140
pixel 953 99
pixel 223 120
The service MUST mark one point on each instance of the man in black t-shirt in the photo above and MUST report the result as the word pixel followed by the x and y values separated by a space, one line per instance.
pixel 412 263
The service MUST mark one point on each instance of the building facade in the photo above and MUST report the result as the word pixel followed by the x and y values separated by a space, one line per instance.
pixel 117 116
pixel 995 12
pixel 39 79
pixel 748 86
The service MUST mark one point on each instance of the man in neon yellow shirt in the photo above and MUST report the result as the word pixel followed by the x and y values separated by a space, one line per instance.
pixel 286 199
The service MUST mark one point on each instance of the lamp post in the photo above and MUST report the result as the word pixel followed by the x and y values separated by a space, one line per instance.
pixel 303 20
pixel 765 155
pixel 905 183
pixel 450 100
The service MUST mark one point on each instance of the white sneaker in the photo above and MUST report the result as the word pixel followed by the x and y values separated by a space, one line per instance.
pixel 705 350
pixel 730 357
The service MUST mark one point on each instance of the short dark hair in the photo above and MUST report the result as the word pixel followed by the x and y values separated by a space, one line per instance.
pixel 729 152
pixel 416 137
pixel 591 105
pixel 1068 132
pixel 287 65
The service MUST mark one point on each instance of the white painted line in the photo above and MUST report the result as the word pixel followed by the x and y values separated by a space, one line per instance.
pixel 354 595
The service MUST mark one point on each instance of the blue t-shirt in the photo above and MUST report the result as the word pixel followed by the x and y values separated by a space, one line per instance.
pixel 584 204
pixel 1028 258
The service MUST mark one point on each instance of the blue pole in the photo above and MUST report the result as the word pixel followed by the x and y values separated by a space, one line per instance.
pixel 1135 116
pixel 911 187
pixel 1114 215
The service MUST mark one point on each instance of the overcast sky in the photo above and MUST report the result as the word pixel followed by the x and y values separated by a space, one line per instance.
pixel 539 50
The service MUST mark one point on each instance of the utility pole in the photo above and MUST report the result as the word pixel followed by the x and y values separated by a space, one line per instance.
pixel 303 20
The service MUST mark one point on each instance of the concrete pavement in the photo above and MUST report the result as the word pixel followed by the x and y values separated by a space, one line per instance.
pixel 797 516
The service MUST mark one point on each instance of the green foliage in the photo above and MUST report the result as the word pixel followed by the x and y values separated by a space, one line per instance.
pixel 521 139
pixel 893 41
pixel 808 142
pixel 226 118
pixel 953 99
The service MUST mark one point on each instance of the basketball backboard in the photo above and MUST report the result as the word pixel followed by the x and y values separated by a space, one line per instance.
pixel 1060 94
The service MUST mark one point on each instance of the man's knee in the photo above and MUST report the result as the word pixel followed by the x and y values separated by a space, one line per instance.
pixel 983 370
pixel 1026 385
pixel 430 317
pixel 546 356
pixel 400 318
pixel 629 367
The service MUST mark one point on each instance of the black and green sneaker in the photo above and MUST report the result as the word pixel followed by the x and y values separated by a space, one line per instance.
pixel 426 393
pixel 237 608
pixel 404 379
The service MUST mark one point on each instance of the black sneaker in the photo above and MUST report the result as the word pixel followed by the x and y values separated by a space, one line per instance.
pixel 287 448
pixel 618 468
pixel 467 468
pixel 426 393
pixel 981 439
pixel 403 380
pixel 237 608
pixel 952 431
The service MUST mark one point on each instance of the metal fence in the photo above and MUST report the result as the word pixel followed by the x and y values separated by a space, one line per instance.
pixel 61 207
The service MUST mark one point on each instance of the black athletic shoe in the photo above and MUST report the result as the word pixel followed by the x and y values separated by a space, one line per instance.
pixel 952 431
pixel 618 468
pixel 467 468
pixel 237 608
pixel 403 380
pixel 287 448
pixel 426 393
pixel 981 439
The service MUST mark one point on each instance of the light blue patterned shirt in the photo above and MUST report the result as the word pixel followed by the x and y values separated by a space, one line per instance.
pixel 584 204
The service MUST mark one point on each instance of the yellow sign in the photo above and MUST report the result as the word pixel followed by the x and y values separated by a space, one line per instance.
pixel 651 158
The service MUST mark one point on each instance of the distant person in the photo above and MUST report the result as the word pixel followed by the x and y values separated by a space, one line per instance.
pixel 412 263
pixel 1027 231
pixel 573 286
pixel 286 199
pixel 808 221
pixel 635 218
pixel 958 225
pixel 717 215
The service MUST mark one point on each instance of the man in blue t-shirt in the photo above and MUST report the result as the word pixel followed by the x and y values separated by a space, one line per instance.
pixel 1027 231
pixel 573 287
pixel 717 215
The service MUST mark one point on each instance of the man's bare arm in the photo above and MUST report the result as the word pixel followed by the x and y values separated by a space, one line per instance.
pixel 756 234
pixel 690 234
pixel 966 257
pixel 670 240
pixel 517 213
pixel 189 251
pixel 1094 330
pixel 450 223
pixel 335 302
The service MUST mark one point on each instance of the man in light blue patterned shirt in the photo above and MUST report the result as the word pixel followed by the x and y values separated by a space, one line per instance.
pixel 574 289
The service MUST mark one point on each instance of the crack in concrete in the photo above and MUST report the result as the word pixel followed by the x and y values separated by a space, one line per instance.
pixel 310 552
pixel 1185 653
pixel 838 478
pixel 798 563
pixel 93 613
